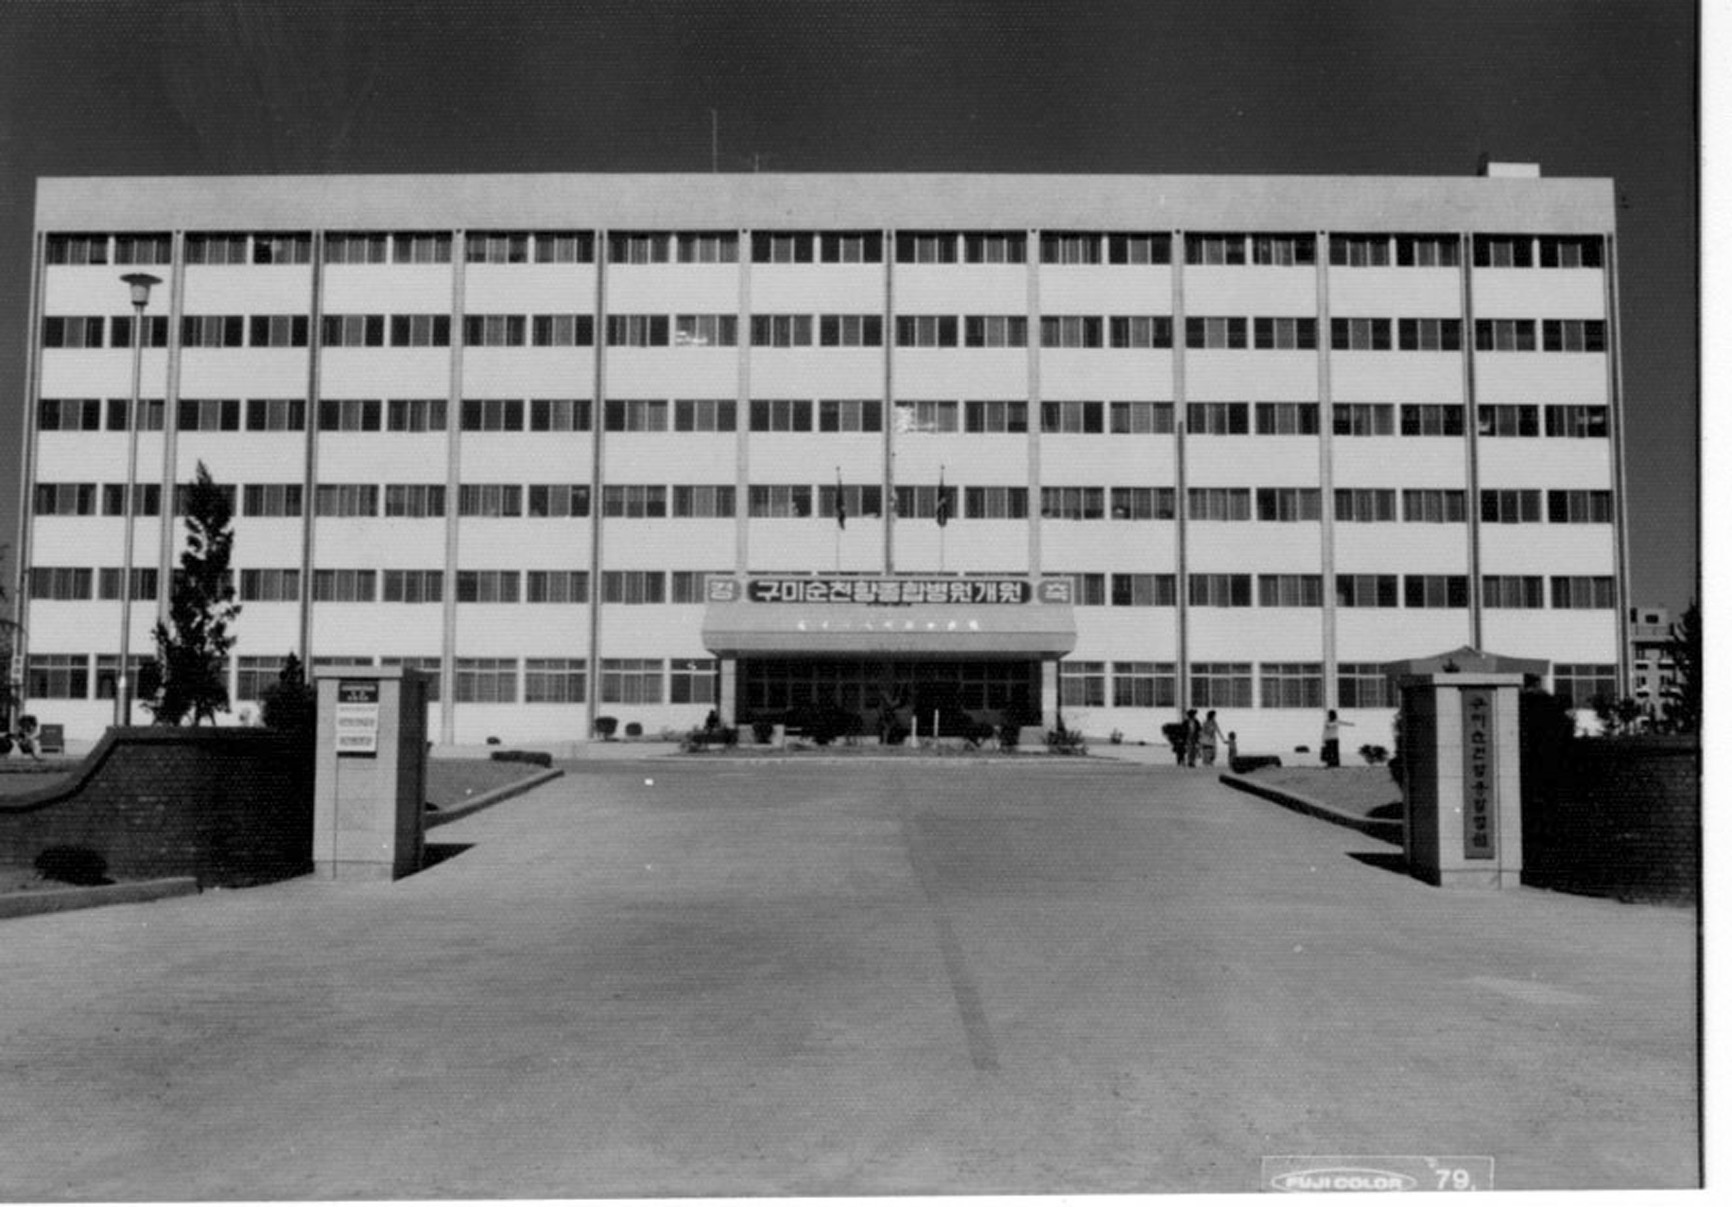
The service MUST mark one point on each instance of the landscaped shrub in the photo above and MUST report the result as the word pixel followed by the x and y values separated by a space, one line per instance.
pixel 1065 741
pixel 711 735
pixel 633 729
pixel 822 723
pixel 290 703
pixel 1008 735
pixel 72 865
pixel 605 726
pixel 1250 762
pixel 763 731
pixel 539 758
pixel 977 729
pixel 1374 755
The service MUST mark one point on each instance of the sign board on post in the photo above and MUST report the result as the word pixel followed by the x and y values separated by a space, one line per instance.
pixel 357 716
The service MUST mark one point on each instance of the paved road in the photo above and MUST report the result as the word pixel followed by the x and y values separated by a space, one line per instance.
pixel 845 979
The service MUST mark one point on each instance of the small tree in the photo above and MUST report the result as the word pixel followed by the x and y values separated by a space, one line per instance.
pixel 1684 696
pixel 191 671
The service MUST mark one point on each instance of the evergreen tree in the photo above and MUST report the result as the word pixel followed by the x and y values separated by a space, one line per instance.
pixel 190 677
pixel 1684 697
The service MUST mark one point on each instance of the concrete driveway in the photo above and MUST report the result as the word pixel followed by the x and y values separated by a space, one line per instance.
pixel 845 978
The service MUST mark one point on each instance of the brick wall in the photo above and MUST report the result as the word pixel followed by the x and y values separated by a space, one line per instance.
pixel 1617 817
pixel 230 806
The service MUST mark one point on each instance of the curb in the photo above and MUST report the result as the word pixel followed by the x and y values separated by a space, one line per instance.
pixel 478 803
pixel 49 901
pixel 1377 827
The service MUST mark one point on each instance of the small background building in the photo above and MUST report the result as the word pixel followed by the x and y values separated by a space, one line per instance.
pixel 1652 671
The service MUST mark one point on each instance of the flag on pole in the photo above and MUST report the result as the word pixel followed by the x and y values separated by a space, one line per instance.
pixel 841 503
pixel 942 512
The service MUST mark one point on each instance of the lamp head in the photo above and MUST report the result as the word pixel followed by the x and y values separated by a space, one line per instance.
pixel 141 283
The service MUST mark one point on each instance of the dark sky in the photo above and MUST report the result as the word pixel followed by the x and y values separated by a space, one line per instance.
pixel 1584 87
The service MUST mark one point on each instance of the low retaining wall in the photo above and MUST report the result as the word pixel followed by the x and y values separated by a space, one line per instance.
pixel 228 806
pixel 1617 817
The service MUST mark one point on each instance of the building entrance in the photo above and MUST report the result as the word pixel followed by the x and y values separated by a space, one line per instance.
pixel 883 697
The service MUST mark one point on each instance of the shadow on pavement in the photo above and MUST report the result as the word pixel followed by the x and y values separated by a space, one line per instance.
pixel 435 853
pixel 1389 861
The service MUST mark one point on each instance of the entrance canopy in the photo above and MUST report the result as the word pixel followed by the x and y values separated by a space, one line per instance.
pixel 746 629
pixel 1469 660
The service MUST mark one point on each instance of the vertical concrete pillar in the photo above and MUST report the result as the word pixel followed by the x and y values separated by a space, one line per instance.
pixel 1470 435
pixel 1181 490
pixel 1620 497
pixel 597 482
pixel 889 500
pixel 1049 713
pixel 454 494
pixel 727 688
pixel 742 417
pixel 15 674
pixel 1326 478
pixel 1461 770
pixel 1032 255
pixel 166 527
pixel 310 446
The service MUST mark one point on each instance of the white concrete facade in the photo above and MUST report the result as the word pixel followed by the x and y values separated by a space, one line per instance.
pixel 1361 441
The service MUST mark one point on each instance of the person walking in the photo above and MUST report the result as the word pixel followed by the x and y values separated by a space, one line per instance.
pixel 1210 738
pixel 1233 752
pixel 1193 736
pixel 1332 739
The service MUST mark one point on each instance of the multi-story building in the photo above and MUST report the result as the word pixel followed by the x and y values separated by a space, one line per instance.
pixel 1653 673
pixel 644 445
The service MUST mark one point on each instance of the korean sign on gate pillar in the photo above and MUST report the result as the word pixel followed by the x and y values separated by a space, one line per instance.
pixel 1479 775
pixel 357 716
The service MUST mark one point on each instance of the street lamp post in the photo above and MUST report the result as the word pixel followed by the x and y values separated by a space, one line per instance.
pixel 140 283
